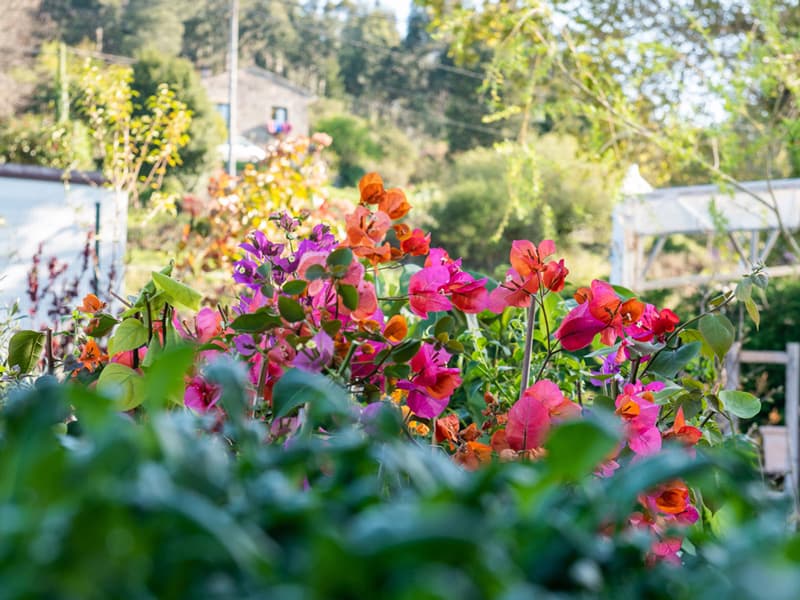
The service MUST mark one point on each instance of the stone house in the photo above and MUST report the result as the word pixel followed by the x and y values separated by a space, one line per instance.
pixel 265 101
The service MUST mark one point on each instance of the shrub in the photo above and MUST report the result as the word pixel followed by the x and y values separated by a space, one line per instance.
pixel 37 140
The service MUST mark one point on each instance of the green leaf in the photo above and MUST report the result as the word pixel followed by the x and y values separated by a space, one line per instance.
pixel 178 293
pixel 444 325
pixel 164 382
pixel 315 272
pixel 578 447
pixel 406 350
pixel 740 404
pixel 290 309
pixel 122 384
pixel 752 310
pixel 624 292
pixel 24 350
pixel 719 332
pixel 744 289
pixel 669 362
pixel 130 334
pixel 256 322
pixel 341 257
pixel 349 295
pixel 296 388
pixel 295 287
pixel 105 323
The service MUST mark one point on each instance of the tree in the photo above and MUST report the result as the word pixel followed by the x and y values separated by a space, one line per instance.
pixel 19 33
pixel 684 83
pixel 207 130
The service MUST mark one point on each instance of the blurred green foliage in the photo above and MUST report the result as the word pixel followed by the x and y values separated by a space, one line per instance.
pixel 107 507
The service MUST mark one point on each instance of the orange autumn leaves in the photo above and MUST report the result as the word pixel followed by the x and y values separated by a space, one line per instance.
pixel 366 229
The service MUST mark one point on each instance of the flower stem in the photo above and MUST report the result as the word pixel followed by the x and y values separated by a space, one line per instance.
pixel 526 360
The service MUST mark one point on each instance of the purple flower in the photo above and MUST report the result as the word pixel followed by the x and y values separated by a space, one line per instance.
pixel 285 221
pixel 246 271
pixel 245 344
pixel 610 366
pixel 316 354
pixel 260 247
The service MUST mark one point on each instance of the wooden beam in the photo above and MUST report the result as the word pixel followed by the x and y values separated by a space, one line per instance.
pixel 768 357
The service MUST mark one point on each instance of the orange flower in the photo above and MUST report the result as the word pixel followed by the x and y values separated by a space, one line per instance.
pixel 472 454
pixel 91 355
pixel 447 429
pixel 396 329
pixel 371 188
pixel 91 304
pixel 394 203
pixel 672 498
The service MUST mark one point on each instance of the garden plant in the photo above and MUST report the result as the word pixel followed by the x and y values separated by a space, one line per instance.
pixel 370 419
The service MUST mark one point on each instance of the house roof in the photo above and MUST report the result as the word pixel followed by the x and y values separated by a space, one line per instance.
pixel 269 76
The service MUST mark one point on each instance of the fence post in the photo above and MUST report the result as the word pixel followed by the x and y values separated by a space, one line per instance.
pixel 792 410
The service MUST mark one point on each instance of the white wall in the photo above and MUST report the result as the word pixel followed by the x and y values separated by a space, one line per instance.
pixel 60 216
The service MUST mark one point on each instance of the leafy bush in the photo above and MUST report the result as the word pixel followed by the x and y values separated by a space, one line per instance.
pixel 358 146
pixel 106 507
pixel 37 140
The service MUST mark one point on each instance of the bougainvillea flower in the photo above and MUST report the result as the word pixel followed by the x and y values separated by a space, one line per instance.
pixel 126 358
pixel 666 551
pixel 259 246
pixel 473 454
pixel 315 354
pixel 91 356
pixel 245 271
pixel 423 291
pixel 514 291
pixel 420 402
pixel 530 418
pixel 394 203
pixel 367 301
pixel 365 228
pixel 200 395
pixel 467 293
pixel 528 259
pixel 396 329
pixel 416 243
pixel 600 310
pixel 554 275
pixel 371 188
pixel 671 498
pixel 432 383
pixel 681 432
pixel 91 304
pixel 638 410
pixel 578 328
pixel 447 429
pixel 432 372
pixel 528 423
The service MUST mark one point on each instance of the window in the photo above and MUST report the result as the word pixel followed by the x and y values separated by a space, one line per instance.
pixel 224 109
pixel 280 116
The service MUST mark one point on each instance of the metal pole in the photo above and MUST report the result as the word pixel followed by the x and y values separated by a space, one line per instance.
pixel 232 81
pixel 792 408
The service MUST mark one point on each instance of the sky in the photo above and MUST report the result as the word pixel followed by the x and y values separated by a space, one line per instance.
pixel 400 8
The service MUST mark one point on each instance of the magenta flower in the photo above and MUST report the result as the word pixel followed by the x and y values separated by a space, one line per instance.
pixel 636 405
pixel 423 291
pixel 467 293
pixel 200 395
pixel 531 417
pixel 432 383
